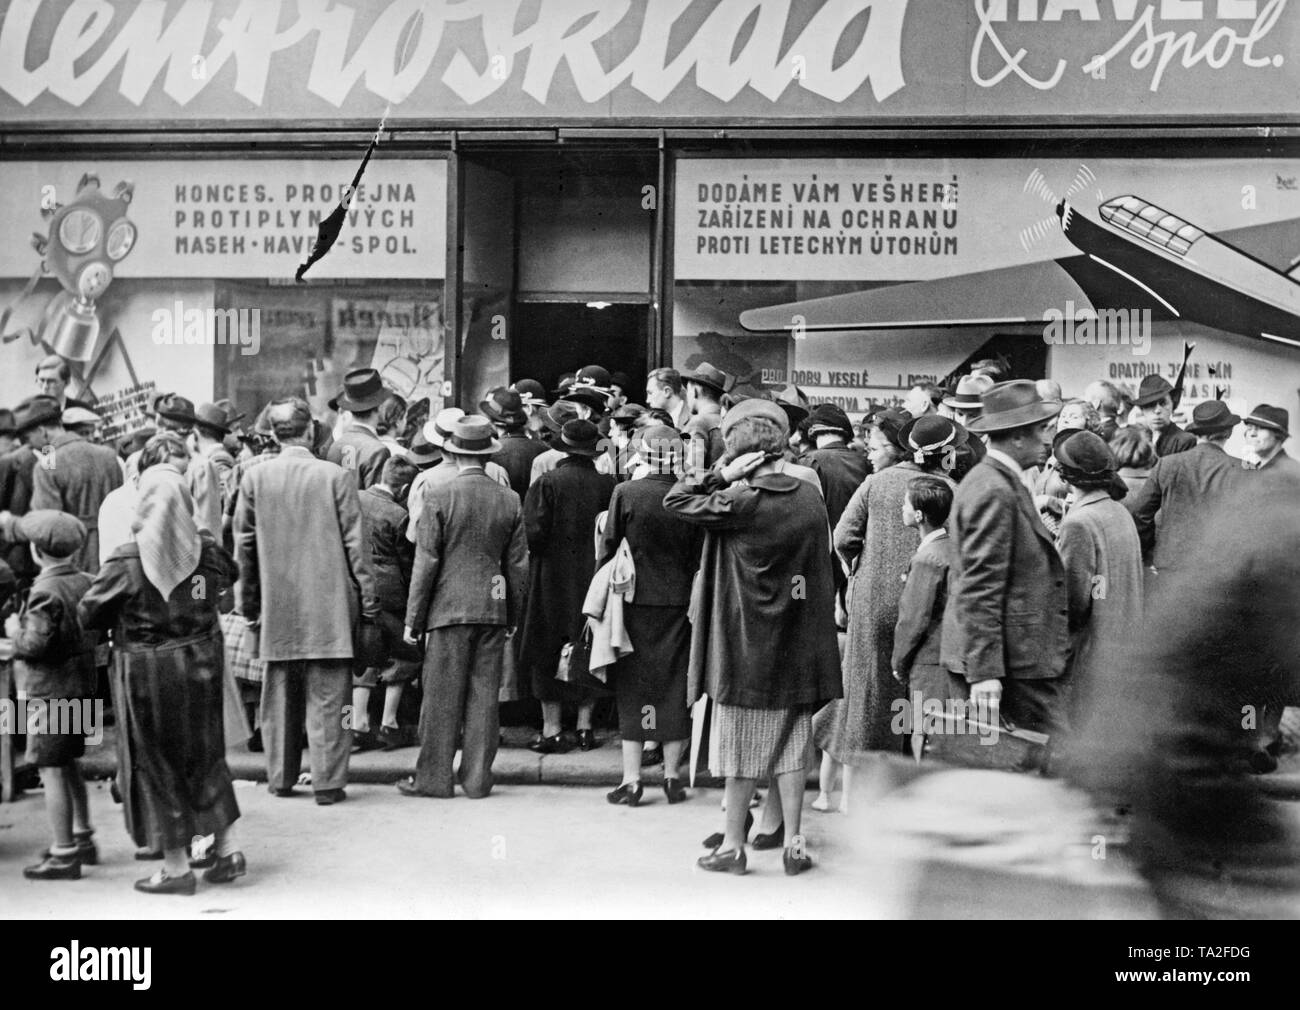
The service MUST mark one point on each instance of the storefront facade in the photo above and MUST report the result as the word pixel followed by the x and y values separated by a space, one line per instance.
pixel 844 195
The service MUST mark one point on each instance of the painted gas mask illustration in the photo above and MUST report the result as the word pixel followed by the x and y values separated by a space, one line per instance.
pixel 88 238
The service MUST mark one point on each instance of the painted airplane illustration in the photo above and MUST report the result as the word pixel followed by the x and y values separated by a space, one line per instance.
pixel 1134 255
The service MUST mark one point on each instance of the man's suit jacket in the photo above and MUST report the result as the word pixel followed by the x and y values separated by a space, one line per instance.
pixel 1174 440
pixel 1177 498
pixel 1008 615
pixel 303 556
pixel 919 632
pixel 77 478
pixel 359 449
pixel 471 556
pixel 1282 465
pixel 516 455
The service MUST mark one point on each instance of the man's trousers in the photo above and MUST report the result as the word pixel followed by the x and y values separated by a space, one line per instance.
pixel 320 688
pixel 462 676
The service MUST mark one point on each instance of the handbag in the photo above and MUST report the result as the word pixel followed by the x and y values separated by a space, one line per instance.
pixel 575 659
pixel 970 742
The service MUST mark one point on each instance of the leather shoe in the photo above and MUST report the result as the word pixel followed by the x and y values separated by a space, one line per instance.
pixel 795 865
pixel 628 792
pixel 674 791
pixel 328 797
pixel 770 841
pixel 145 855
pixel 394 738
pixel 54 868
pixel 362 742
pixel 226 869
pixel 161 883
pixel 550 745
pixel 587 739
pixel 730 861
pixel 407 788
pixel 87 853
pixel 277 791
pixel 717 838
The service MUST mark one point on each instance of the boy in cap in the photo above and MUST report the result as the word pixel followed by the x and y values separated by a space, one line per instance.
pixel 55 663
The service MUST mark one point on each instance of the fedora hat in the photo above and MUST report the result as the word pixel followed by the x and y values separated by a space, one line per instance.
pixel 1013 404
pixel 558 414
pixel 363 390
pixel 828 417
pixel 36 410
pixel 504 406
pixel 714 378
pixel 969 390
pixel 438 428
pixel 1209 417
pixel 211 416
pixel 177 408
pixel 232 415
pixel 472 435
pixel 930 435
pixel 531 392
pixel 579 438
pixel 1275 418
pixel 1153 389
pixel 423 452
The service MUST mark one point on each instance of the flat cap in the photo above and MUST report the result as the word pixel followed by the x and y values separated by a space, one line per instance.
pixel 54 533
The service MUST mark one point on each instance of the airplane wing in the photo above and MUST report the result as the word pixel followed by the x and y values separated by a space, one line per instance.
pixel 990 297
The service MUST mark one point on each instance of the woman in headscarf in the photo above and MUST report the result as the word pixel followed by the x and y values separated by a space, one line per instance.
pixel 877 550
pixel 650 682
pixel 158 595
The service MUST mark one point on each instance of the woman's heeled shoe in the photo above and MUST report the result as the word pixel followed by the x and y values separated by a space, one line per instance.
pixel 772 840
pixel 674 791
pixel 628 792
pixel 716 839
pixel 795 864
pixel 550 745
pixel 587 739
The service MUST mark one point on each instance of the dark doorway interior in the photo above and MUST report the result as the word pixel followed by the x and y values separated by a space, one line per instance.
pixel 552 338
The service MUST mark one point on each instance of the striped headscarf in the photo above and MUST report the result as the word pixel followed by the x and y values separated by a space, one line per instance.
pixel 164 527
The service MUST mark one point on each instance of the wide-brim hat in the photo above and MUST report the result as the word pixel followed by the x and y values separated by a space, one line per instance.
pixel 472 435
pixel 826 417
pixel 969 390
pixel 589 396
pixel 177 408
pixel 755 407
pixel 579 438
pixel 504 406
pixel 35 411
pixel 1275 418
pixel 437 429
pixel 1209 417
pixel 930 435
pixel 714 378
pixel 1152 389
pixel 1013 404
pixel 363 390
pixel 212 416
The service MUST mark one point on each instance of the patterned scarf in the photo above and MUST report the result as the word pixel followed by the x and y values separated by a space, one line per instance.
pixel 165 531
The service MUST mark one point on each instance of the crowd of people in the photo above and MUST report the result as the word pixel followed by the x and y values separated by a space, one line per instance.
pixel 260 579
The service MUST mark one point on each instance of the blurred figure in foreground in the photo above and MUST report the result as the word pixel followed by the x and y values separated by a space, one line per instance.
pixel 1174 729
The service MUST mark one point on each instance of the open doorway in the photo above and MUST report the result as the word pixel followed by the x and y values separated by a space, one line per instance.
pixel 551 338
